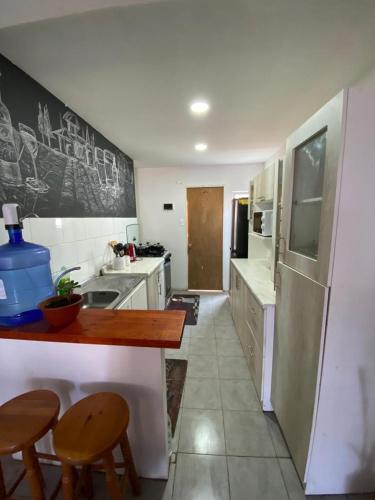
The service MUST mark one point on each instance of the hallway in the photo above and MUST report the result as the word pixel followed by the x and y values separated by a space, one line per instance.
pixel 225 446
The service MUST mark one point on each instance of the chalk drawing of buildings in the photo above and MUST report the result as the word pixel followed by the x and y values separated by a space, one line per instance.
pixel 61 171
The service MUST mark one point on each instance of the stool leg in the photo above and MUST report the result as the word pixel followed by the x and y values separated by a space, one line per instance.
pixel 33 473
pixel 2 485
pixel 128 458
pixel 67 481
pixel 111 478
pixel 87 481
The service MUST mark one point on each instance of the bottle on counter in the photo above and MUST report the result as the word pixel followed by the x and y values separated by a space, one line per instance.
pixel 130 250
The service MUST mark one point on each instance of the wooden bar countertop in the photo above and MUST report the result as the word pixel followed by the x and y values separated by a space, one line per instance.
pixel 161 329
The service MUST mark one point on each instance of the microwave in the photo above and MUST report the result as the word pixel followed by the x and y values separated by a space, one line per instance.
pixel 262 222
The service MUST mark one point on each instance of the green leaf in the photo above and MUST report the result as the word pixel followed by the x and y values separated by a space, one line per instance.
pixel 66 286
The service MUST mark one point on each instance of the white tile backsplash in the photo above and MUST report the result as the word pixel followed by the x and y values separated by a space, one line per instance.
pixel 75 242
pixel 26 231
pixel 46 231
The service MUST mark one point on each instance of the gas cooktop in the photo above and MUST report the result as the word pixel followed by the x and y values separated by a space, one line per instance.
pixel 150 250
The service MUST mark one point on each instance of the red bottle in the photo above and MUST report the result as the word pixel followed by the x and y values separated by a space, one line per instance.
pixel 130 250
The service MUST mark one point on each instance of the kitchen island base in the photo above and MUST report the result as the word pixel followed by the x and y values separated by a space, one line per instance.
pixel 74 371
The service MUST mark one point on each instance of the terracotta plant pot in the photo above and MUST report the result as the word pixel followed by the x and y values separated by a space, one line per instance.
pixel 64 314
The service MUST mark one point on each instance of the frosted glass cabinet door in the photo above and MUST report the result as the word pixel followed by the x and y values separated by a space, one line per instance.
pixel 309 162
pixel 310 180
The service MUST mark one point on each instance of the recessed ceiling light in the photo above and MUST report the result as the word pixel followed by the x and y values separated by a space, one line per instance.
pixel 200 146
pixel 199 107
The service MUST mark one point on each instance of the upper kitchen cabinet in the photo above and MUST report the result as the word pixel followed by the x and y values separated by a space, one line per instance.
pixel 311 177
pixel 264 185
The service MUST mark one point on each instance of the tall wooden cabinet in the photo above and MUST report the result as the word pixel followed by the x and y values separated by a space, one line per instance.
pixel 324 347
pixel 311 176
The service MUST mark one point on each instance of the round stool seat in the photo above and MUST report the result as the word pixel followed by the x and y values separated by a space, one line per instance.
pixel 27 418
pixel 90 428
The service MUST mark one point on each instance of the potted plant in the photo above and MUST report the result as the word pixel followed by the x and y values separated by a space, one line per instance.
pixel 64 307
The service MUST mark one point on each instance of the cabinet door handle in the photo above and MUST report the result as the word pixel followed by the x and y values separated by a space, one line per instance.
pixel 277 281
pixel 282 246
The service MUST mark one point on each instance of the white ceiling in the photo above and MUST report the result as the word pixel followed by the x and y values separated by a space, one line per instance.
pixel 14 12
pixel 131 71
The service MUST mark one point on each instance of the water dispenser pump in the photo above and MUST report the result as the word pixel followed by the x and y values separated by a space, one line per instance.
pixel 25 273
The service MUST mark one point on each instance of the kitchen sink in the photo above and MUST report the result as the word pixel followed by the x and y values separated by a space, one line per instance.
pixel 99 299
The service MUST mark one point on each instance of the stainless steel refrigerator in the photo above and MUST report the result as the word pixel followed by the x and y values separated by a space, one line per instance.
pixel 240 228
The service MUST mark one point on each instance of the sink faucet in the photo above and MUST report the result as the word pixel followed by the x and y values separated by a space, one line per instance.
pixel 67 271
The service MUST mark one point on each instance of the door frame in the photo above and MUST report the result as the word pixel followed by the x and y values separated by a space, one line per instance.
pixel 187 230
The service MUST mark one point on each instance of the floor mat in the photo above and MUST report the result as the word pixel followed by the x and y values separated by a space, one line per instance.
pixel 175 375
pixel 188 303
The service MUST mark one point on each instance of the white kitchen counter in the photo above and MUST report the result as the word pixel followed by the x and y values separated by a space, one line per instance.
pixel 145 266
pixel 257 277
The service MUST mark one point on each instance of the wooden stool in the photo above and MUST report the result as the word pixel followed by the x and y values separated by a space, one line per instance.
pixel 23 421
pixel 88 432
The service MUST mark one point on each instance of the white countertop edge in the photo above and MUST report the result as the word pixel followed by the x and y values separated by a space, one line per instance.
pixel 144 267
pixel 259 295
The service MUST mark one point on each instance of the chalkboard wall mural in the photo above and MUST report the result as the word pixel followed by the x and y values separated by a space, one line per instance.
pixel 52 162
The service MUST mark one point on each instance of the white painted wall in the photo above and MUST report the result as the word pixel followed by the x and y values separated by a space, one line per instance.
pixel 368 79
pixel 75 241
pixel 156 186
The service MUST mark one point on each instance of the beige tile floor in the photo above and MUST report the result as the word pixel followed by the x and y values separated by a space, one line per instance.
pixel 224 446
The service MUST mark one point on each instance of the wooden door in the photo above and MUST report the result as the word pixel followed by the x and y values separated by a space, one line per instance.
pixel 301 308
pixel 205 238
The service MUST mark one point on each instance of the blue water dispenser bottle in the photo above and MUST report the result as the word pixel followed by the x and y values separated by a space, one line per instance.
pixel 25 274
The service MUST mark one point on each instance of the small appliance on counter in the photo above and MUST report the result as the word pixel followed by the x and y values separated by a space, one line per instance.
pixel 25 274
pixel 124 255
pixel 263 222
pixel 131 251
pixel 150 250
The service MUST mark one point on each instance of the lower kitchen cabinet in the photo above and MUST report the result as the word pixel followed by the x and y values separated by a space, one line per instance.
pixel 254 323
pixel 154 284
pixel 156 289
pixel 137 298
